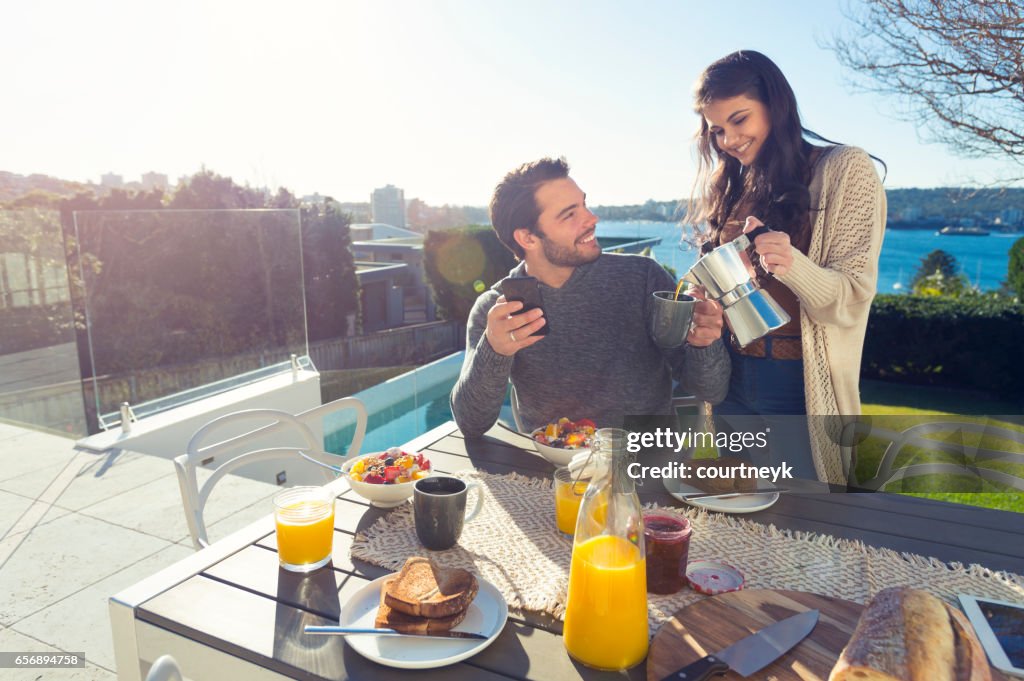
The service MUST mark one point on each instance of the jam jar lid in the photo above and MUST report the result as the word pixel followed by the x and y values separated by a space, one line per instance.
pixel 713 577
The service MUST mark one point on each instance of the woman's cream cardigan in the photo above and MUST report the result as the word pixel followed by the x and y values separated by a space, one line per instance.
pixel 835 283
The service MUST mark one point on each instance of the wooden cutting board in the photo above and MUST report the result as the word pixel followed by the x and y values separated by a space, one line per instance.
pixel 714 623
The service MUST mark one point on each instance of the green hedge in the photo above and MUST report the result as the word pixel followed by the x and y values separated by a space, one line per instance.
pixel 967 342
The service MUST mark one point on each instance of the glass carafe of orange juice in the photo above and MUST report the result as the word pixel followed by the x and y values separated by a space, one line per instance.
pixel 606 610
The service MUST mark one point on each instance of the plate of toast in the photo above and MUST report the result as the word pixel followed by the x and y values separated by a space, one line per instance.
pixel 424 598
pixel 747 499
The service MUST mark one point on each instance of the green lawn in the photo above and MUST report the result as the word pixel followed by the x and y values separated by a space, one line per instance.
pixel 904 405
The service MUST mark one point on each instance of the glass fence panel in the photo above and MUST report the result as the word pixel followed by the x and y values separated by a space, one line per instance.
pixel 39 368
pixel 176 299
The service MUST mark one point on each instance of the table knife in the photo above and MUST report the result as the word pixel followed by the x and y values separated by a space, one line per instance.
pixel 725 495
pixel 752 653
pixel 347 631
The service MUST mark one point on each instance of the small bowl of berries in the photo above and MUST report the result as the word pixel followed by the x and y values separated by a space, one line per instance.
pixel 385 479
pixel 561 440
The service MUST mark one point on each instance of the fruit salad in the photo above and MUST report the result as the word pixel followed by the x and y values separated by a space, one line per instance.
pixel 566 434
pixel 392 467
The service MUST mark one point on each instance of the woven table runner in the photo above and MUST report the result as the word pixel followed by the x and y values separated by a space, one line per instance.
pixel 514 544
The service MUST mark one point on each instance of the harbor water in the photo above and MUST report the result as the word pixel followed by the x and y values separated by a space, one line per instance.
pixel 983 259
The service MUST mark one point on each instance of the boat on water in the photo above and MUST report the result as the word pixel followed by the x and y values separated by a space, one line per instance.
pixel 963 231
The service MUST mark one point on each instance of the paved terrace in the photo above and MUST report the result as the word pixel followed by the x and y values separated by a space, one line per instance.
pixel 76 528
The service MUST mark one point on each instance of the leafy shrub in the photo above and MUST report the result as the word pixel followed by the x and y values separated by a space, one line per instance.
pixel 1015 269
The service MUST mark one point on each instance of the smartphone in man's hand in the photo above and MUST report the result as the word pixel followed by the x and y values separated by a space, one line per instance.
pixel 527 291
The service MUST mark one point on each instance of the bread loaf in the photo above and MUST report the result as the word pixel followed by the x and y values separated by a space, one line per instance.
pixel 424 589
pixel 910 635
pixel 971 661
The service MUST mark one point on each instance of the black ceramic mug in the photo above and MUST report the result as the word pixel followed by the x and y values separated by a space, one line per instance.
pixel 439 506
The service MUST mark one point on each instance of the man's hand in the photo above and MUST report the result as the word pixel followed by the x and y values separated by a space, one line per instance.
pixel 775 248
pixel 707 320
pixel 509 334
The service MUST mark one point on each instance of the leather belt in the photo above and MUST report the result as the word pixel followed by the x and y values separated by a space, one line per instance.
pixel 771 347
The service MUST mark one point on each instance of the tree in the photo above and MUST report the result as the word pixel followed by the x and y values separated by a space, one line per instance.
pixel 461 264
pixel 332 289
pixel 938 276
pixel 957 65
pixel 207 189
pixel 1015 270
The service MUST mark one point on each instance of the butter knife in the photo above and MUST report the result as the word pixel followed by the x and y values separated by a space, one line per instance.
pixel 728 495
pixel 348 631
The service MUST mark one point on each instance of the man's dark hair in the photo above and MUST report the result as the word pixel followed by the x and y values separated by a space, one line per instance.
pixel 514 205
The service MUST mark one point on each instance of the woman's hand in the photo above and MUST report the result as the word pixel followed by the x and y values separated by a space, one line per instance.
pixel 774 248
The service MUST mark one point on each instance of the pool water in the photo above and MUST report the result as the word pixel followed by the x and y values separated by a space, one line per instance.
pixel 397 424
pixel 400 423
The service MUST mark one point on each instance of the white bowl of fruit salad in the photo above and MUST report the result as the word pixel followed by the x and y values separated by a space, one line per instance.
pixel 563 439
pixel 385 479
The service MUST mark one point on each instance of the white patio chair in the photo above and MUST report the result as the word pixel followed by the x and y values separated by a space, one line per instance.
pixel 967 464
pixel 204 449
pixel 164 669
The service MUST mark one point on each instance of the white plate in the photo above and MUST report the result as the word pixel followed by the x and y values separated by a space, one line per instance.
pixel 486 615
pixel 744 503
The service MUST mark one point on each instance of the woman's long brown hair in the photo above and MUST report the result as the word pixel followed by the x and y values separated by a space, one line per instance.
pixel 775 186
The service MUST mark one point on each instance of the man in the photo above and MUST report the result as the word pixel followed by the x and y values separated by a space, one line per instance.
pixel 598 361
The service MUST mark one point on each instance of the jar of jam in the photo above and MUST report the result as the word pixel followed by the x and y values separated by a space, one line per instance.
pixel 667 540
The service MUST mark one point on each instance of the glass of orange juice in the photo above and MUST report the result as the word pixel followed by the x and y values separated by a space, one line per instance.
pixel 569 490
pixel 304 517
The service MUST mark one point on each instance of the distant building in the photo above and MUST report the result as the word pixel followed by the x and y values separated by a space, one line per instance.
pixel 387 205
pixel 111 180
pixel 1011 216
pixel 389 266
pixel 152 181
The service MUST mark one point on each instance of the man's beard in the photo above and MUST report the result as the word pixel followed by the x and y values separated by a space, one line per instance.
pixel 561 256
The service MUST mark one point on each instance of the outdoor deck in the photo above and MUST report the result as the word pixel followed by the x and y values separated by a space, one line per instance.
pixel 76 527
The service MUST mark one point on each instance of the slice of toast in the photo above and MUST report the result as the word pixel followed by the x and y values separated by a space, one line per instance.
pixel 387 618
pixel 424 589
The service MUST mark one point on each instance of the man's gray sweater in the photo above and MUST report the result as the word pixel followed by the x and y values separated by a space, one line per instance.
pixel 597 362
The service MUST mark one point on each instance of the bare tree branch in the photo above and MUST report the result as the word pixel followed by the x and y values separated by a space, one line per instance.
pixel 956 67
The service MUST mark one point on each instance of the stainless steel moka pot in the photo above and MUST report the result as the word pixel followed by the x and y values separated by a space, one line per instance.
pixel 750 312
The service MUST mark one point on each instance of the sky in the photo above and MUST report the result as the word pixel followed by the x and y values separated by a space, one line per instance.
pixel 441 98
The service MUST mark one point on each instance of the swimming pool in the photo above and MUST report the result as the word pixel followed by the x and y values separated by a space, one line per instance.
pixel 417 409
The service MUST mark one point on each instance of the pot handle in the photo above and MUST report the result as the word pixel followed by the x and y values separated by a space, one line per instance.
pixel 743 241
pixel 757 231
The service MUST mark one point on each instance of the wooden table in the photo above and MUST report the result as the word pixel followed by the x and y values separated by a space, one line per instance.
pixel 229 612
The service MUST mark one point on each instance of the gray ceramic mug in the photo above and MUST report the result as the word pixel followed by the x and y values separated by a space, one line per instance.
pixel 670 318
pixel 439 506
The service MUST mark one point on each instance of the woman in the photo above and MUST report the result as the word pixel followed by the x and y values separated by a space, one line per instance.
pixel 827 209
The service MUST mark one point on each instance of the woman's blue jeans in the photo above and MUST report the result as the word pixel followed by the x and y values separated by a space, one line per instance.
pixel 767 395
